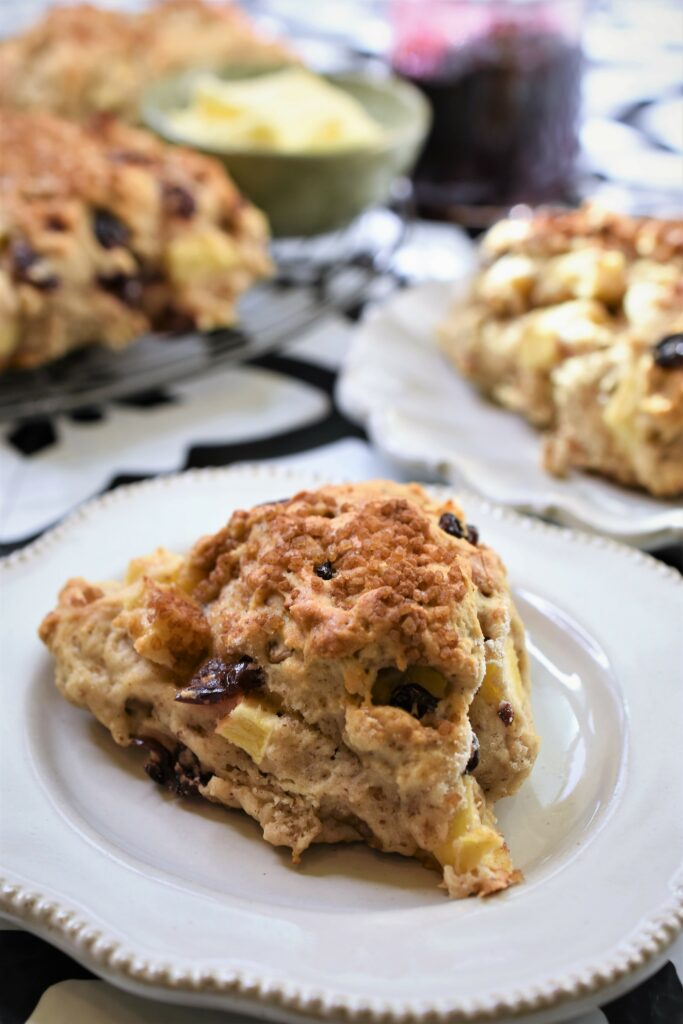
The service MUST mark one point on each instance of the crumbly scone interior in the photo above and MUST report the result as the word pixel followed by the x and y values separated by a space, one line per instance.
pixel 338 666
pixel 562 326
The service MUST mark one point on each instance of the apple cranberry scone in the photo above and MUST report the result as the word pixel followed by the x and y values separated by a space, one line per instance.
pixel 106 232
pixel 83 59
pixel 344 665
pixel 574 321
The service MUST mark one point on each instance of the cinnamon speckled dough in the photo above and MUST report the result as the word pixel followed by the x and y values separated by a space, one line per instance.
pixel 107 232
pixel 82 59
pixel 373 641
pixel 562 326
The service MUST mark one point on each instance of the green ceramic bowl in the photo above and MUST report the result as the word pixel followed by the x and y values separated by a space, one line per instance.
pixel 309 193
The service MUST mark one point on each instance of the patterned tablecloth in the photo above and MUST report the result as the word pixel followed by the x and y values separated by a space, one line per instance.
pixel 282 407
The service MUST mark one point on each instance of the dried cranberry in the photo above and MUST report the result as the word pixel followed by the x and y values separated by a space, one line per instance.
pixel 473 762
pixel 668 353
pixel 414 699
pixel 506 712
pixel 177 770
pixel 451 524
pixel 110 232
pixel 326 571
pixel 159 766
pixel 28 268
pixel 56 223
pixel 178 202
pixel 126 288
pixel 23 257
pixel 175 321
pixel 215 680
pixel 48 283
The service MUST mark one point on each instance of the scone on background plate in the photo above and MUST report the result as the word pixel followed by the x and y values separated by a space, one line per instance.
pixel 574 321
pixel 346 665
pixel 106 232
pixel 82 59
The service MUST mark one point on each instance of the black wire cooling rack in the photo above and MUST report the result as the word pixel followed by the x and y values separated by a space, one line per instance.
pixel 313 277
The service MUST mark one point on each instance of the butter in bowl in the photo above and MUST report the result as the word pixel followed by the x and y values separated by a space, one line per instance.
pixel 312 151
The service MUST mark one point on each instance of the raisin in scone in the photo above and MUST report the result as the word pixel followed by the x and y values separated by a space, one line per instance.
pixel 344 665
pixel 569 323
pixel 106 232
pixel 84 59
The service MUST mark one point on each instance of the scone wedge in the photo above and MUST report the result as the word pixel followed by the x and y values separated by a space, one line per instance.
pixel 345 665
pixel 106 233
pixel 575 320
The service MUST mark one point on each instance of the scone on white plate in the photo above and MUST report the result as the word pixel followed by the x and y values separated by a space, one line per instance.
pixel 574 320
pixel 107 233
pixel 82 59
pixel 346 665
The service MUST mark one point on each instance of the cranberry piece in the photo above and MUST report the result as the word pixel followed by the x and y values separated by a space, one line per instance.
pixel 46 284
pixel 326 571
pixel 55 223
pixel 668 353
pixel 215 680
pixel 175 321
pixel 505 712
pixel 178 202
pixel 456 528
pixel 473 762
pixel 23 257
pixel 177 770
pixel 414 699
pixel 110 232
pixel 26 264
pixel 128 289
pixel 451 524
pixel 159 765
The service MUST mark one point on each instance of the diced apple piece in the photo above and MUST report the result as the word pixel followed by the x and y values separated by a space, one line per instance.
pixel 470 843
pixel 504 678
pixel 200 254
pixel 248 726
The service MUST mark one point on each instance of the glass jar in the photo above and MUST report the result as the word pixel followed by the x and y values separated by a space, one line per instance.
pixel 503 78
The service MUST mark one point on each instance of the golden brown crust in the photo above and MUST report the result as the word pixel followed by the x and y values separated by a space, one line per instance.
pixel 340 607
pixel 106 232
pixel 550 232
pixel 83 59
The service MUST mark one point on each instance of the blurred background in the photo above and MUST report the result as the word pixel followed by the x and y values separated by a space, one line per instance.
pixel 549 99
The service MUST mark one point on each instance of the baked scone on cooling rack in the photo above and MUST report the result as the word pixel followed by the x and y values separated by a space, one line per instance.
pixel 106 232
pixel 343 665
pixel 574 321
pixel 81 59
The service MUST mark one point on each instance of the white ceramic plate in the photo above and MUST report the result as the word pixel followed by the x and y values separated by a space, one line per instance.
pixel 421 414
pixel 184 901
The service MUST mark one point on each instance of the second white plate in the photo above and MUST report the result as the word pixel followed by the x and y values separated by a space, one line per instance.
pixel 428 420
